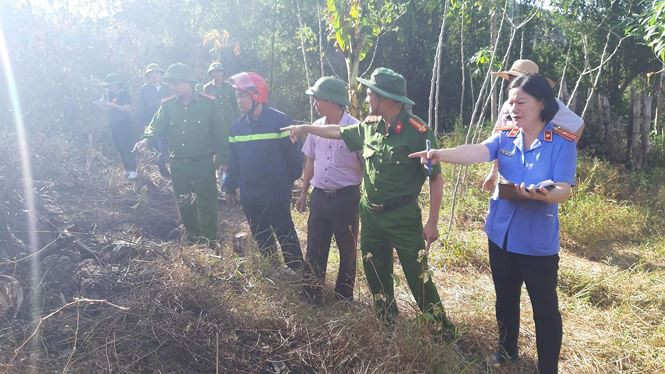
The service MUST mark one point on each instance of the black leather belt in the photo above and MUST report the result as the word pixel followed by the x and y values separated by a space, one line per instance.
pixel 332 194
pixel 392 204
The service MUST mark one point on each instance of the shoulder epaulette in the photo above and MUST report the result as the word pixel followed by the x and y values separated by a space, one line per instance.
pixel 168 99
pixel 572 137
pixel 513 132
pixel 418 124
pixel 372 119
pixel 504 128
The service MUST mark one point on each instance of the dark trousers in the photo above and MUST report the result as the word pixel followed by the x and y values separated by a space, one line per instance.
pixel 539 273
pixel 332 213
pixel 123 139
pixel 274 219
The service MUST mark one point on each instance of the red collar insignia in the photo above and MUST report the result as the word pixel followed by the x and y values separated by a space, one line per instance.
pixel 513 133
pixel 399 127
pixel 548 135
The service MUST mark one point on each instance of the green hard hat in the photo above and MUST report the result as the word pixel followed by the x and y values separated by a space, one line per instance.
pixel 388 84
pixel 215 66
pixel 179 72
pixel 112 79
pixel 331 89
pixel 153 67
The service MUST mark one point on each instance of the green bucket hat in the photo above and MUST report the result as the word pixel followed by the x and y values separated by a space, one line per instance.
pixel 215 66
pixel 331 89
pixel 388 84
pixel 153 68
pixel 112 79
pixel 179 72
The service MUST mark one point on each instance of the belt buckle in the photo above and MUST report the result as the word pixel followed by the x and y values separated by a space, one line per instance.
pixel 329 193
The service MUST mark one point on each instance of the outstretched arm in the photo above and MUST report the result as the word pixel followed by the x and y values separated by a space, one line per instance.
pixel 463 154
pixel 326 131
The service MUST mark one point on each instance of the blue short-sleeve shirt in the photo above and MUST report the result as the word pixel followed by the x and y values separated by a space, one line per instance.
pixel 529 227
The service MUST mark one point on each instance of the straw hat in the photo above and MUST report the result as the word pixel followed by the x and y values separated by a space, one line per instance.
pixel 519 68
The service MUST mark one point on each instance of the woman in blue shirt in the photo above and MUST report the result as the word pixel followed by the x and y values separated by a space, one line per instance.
pixel 537 162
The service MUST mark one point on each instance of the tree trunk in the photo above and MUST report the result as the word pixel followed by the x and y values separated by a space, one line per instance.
pixel 352 66
pixel 659 118
pixel 494 103
pixel 607 115
pixel 647 101
pixel 636 133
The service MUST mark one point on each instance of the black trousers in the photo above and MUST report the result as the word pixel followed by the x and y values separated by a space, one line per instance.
pixel 274 219
pixel 539 273
pixel 123 139
pixel 332 213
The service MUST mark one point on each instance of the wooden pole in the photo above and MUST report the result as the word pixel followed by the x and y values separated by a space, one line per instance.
pixel 647 101
pixel 636 133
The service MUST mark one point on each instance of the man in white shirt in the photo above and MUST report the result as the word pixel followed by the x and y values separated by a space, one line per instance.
pixel 335 173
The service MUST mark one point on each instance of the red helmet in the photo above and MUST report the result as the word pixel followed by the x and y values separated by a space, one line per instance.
pixel 253 84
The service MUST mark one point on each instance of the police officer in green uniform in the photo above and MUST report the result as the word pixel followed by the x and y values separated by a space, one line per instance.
pixel 198 144
pixel 222 91
pixel 389 211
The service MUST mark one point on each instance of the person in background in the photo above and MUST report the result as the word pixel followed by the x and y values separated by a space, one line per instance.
pixel 222 90
pixel 198 144
pixel 263 165
pixel 118 105
pixel 564 118
pixel 336 173
pixel 538 161
pixel 225 96
pixel 150 97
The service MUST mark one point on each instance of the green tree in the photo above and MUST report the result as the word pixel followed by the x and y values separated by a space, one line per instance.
pixel 355 26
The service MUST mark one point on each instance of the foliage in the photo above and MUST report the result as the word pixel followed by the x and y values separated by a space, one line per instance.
pixel 651 26
pixel 355 26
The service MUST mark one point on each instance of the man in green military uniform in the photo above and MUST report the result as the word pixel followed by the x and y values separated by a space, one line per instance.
pixel 222 91
pixel 198 144
pixel 389 211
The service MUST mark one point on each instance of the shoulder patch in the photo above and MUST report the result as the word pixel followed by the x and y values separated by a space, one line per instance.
pixel 373 119
pixel 168 99
pixel 418 125
pixel 565 134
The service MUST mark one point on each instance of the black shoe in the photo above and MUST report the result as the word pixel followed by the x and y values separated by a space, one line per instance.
pixel 497 359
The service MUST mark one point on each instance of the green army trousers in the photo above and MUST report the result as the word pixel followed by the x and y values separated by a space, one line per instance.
pixel 402 230
pixel 195 189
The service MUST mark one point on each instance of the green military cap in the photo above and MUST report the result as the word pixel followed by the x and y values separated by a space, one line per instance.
pixel 331 89
pixel 112 79
pixel 153 68
pixel 215 66
pixel 388 84
pixel 180 72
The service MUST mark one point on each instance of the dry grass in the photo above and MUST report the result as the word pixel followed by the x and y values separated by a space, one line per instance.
pixel 180 309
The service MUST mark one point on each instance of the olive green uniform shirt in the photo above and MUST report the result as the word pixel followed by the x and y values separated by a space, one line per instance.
pixel 194 130
pixel 226 95
pixel 389 173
